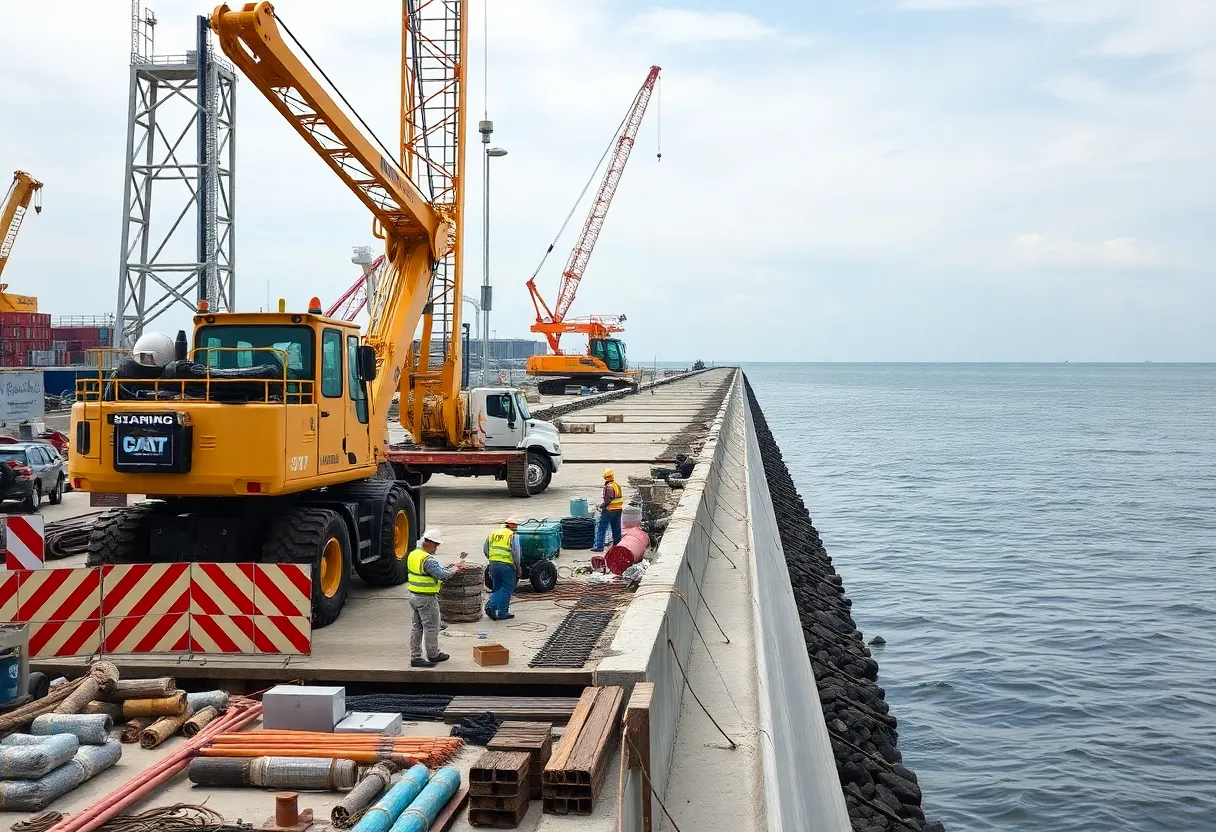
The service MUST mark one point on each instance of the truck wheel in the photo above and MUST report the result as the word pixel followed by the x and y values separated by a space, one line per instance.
pixel 540 472
pixel 121 537
pixel 318 537
pixel 398 535
pixel 543 576
pixel 34 501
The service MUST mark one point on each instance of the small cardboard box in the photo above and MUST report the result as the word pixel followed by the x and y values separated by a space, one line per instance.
pixel 303 708
pixel 490 654
pixel 361 723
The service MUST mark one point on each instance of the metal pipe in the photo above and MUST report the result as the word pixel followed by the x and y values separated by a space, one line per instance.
pixel 487 129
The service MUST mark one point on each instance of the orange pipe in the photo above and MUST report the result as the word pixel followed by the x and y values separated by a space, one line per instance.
pixel 339 744
pixel 359 756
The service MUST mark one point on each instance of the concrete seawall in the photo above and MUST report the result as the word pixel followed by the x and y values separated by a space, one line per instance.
pixel 800 785
pixel 879 791
pixel 763 686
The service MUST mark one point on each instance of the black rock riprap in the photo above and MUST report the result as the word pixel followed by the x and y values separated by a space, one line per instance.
pixel 881 794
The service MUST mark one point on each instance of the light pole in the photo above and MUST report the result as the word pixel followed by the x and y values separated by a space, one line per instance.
pixel 486 128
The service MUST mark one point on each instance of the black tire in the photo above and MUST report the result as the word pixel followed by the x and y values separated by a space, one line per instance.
pixel 517 478
pixel 37 685
pixel 56 495
pixel 540 472
pixel 543 576
pixel 389 568
pixel 303 535
pixel 33 502
pixel 121 537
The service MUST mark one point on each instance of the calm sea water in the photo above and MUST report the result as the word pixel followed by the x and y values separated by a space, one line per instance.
pixel 1037 544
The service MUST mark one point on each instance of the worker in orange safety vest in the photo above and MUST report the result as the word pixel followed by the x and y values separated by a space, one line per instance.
pixel 610 512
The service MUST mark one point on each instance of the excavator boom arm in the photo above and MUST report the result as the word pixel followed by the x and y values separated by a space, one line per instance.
pixel 252 39
pixel 417 232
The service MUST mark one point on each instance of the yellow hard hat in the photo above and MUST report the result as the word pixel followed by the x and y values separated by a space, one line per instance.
pixel 609 473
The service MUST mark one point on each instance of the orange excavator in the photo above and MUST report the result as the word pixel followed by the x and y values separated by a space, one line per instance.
pixel 604 364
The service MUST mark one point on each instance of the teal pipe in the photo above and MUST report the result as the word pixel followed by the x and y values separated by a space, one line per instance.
pixel 388 808
pixel 426 807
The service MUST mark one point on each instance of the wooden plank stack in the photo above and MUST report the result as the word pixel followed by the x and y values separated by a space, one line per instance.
pixel 498 789
pixel 575 773
pixel 552 709
pixel 533 738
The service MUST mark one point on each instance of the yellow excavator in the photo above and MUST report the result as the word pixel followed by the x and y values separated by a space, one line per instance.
pixel 267 438
pixel 21 192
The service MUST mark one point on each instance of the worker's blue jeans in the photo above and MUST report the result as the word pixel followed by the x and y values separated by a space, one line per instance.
pixel 608 520
pixel 502 579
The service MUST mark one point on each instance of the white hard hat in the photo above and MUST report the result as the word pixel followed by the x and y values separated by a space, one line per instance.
pixel 153 349
pixel 512 521
pixel 432 535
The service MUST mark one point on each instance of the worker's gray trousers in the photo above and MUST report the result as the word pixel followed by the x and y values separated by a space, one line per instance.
pixel 426 618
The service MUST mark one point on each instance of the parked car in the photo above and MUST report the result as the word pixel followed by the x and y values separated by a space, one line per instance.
pixel 29 470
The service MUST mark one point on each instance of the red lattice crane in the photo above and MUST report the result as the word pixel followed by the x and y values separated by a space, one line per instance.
pixel 552 322
pixel 354 299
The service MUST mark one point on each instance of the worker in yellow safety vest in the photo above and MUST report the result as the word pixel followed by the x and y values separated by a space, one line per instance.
pixel 426 576
pixel 610 512
pixel 502 556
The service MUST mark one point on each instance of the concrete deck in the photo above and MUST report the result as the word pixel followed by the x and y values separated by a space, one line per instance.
pixel 360 647
pixel 370 642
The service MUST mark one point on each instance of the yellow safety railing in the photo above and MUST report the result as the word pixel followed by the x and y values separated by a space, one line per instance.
pixel 209 388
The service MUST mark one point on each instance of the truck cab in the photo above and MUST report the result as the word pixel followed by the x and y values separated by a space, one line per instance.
pixel 500 417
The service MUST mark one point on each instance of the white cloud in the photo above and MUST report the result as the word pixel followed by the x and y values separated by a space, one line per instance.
pixel 687 27
pixel 1128 27
pixel 1115 253
pixel 835 195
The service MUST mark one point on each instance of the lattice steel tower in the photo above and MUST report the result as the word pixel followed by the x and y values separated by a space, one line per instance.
pixel 178 235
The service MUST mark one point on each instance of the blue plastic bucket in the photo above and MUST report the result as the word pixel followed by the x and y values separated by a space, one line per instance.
pixel 578 507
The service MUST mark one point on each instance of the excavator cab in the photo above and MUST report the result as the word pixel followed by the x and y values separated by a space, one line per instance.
pixel 262 404
pixel 612 352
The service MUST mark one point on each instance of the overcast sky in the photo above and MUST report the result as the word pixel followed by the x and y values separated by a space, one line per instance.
pixel 883 180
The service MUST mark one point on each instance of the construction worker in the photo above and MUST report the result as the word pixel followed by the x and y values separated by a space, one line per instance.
pixel 426 576
pixel 610 512
pixel 502 554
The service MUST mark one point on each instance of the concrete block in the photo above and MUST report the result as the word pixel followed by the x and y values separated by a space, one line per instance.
pixel 303 708
pixel 615 418
pixel 361 723
pixel 576 427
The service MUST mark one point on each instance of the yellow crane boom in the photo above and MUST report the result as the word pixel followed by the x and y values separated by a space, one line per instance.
pixel 418 232
pixel 23 189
